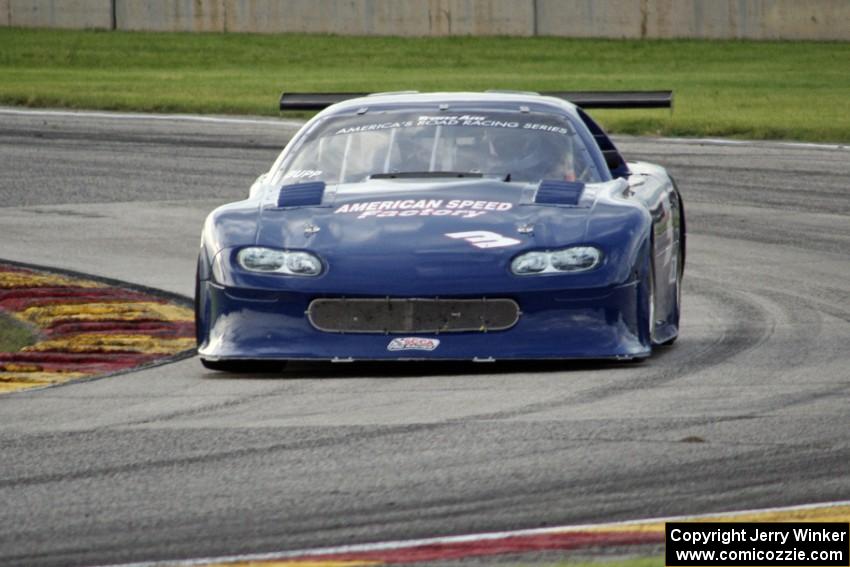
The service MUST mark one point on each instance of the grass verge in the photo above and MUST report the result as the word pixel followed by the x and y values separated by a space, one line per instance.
pixel 779 90
pixel 13 335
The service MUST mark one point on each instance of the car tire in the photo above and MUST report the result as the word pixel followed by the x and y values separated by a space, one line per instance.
pixel 651 287
pixel 197 302
pixel 645 309
pixel 680 272
pixel 678 309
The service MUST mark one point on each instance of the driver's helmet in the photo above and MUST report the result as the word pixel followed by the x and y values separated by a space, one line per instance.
pixel 524 154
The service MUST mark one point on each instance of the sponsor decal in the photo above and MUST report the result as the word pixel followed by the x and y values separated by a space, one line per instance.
pixel 484 239
pixel 413 343
pixel 462 208
pixel 468 120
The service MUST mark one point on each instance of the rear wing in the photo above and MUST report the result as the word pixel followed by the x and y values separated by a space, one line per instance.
pixel 617 99
pixel 583 99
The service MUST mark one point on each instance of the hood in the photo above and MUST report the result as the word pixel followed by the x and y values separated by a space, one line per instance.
pixel 418 238
pixel 402 229
pixel 408 216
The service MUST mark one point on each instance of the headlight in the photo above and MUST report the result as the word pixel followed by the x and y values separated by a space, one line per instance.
pixel 258 259
pixel 575 259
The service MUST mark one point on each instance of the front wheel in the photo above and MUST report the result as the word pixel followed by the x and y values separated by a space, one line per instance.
pixel 677 292
pixel 645 311
pixel 651 299
pixel 198 322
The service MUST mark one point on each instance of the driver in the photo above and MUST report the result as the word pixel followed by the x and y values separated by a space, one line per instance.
pixel 528 155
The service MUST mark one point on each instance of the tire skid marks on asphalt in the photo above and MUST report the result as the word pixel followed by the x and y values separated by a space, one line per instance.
pixel 731 336
pixel 85 328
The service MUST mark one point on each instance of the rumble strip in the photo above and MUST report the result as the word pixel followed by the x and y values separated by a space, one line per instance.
pixel 585 538
pixel 86 328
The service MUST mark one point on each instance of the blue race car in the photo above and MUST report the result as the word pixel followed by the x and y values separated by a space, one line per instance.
pixel 445 226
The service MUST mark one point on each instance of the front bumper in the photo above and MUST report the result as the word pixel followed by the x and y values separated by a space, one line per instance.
pixel 238 323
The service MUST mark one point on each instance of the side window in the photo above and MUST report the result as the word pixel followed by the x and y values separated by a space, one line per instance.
pixel 616 163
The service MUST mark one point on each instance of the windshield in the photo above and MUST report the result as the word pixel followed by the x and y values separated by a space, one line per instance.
pixel 515 146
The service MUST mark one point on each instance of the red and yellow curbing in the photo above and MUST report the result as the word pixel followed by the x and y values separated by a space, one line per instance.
pixel 453 548
pixel 85 328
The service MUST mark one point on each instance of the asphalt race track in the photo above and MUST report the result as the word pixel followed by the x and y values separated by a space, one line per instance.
pixel 750 408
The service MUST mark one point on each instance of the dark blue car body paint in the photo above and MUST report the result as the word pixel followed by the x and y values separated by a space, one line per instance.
pixel 600 313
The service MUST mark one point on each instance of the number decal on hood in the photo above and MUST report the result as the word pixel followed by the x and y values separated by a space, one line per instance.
pixel 484 239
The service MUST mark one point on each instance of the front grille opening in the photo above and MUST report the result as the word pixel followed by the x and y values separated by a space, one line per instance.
pixel 412 315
